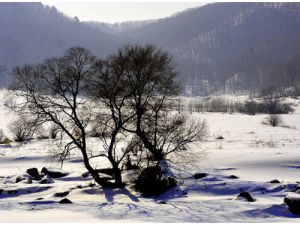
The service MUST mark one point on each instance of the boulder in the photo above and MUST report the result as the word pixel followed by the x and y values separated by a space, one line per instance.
pixel 47 180
pixel 151 183
pixel 293 203
pixel 200 175
pixel 275 181
pixel 20 178
pixel 65 201
pixel 61 194
pixel 85 174
pixel 25 179
pixel 34 173
pixel 162 202
pixel 246 195
pixel 52 174
pixel 233 177
pixel 28 180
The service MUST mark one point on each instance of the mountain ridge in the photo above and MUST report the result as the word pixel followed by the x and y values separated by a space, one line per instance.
pixel 218 45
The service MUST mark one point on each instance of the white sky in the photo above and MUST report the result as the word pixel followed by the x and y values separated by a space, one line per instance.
pixel 120 11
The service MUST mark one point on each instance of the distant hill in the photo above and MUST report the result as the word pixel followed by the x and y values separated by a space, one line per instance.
pixel 234 46
pixel 219 47
pixel 118 28
pixel 31 32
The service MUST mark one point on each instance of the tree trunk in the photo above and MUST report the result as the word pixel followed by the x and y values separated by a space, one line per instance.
pixel 156 153
pixel 94 173
pixel 118 177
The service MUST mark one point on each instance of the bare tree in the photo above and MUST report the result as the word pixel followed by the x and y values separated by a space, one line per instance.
pixel 173 133
pixel 148 81
pixel 108 87
pixel 53 92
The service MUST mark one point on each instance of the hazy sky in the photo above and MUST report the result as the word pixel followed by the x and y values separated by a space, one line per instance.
pixel 122 11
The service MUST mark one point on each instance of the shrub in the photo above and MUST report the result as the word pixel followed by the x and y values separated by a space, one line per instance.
pixel 1 136
pixel 273 120
pixel 40 134
pixel 269 105
pixel 218 105
pixel 274 105
pixel 6 141
pixel 95 131
pixel 250 107
pixel 23 129
pixel 53 131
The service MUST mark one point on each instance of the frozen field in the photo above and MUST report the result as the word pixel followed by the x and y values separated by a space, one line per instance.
pixel 253 152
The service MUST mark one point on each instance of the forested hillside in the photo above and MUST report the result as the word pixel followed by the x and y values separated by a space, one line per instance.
pixel 220 47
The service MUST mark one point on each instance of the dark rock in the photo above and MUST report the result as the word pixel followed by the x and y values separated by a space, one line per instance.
pixel 151 183
pixel 275 181
pixel 200 175
pixel 39 198
pixel 47 180
pixel 29 180
pixel 52 174
pixel 92 185
pixel 65 201
pixel 293 204
pixel 34 173
pixel 246 195
pixel 133 167
pixel 85 174
pixel 1 190
pixel 233 177
pixel 162 202
pixel 219 137
pixel 20 178
pixel 61 194
pixel 79 186
pixel 24 179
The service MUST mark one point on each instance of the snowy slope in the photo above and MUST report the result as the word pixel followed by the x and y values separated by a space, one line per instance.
pixel 253 152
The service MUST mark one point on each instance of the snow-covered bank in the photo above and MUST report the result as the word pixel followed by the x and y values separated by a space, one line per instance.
pixel 253 152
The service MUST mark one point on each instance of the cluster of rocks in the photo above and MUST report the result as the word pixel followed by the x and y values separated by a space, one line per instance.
pixel 44 177
pixel 292 201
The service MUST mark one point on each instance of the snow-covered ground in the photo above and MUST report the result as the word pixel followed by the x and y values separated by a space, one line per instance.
pixel 253 152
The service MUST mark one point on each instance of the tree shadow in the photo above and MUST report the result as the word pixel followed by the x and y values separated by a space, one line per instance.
pixel 109 194
pixel 21 191
pixel 278 210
